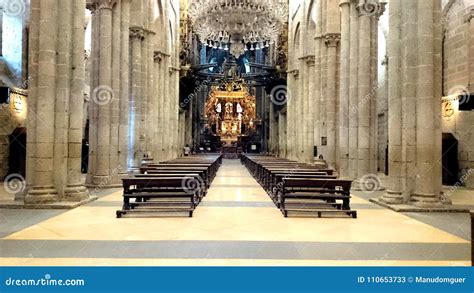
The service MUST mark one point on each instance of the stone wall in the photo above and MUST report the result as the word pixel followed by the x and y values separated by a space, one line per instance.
pixel 457 76
pixel 12 65
pixel 12 116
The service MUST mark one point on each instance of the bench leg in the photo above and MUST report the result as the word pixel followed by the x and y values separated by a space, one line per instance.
pixel 126 204
pixel 346 205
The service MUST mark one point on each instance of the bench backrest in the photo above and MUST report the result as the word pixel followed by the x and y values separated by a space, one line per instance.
pixel 317 183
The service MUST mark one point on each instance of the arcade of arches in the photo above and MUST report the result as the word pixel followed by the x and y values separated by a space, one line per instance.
pixel 378 92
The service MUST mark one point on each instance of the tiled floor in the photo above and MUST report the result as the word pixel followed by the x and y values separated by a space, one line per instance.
pixel 237 224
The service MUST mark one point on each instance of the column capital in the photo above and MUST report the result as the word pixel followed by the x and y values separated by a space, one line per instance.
pixel 96 5
pixel 310 60
pixel 137 32
pixel 332 39
pixel 158 56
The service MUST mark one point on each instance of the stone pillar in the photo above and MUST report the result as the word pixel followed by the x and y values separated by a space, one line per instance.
pixel 426 193
pixel 75 189
pixel 57 84
pixel 469 18
pixel 309 155
pixel 364 94
pixel 282 135
pixel 317 77
pixel 353 90
pixel 291 119
pixel 31 121
pixel 124 127
pixel 344 88
pixel 115 101
pixel 394 194
pixel 43 189
pixel 419 52
pixel 332 41
pixel 102 93
pixel 137 35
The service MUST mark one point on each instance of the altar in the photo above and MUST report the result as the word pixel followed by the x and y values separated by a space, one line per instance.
pixel 231 113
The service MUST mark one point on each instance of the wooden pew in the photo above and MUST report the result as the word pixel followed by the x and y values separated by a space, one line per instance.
pixel 169 187
pixel 301 188
pixel 313 193
pixel 172 195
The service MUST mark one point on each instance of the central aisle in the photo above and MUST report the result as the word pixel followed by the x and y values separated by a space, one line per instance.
pixel 236 224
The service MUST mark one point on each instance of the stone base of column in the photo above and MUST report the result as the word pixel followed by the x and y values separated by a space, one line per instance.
pixel 76 193
pixel 41 195
pixel 425 200
pixel 392 197
pixel 104 182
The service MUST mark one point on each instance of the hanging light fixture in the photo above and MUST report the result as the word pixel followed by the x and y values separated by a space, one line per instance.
pixel 238 23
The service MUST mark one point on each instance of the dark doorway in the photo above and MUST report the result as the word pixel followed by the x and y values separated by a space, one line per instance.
pixel 450 159
pixel 17 156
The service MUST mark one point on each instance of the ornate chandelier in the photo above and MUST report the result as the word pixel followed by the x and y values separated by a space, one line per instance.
pixel 238 25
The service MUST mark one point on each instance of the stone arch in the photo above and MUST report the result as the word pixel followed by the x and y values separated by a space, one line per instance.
pixel 296 38
pixel 449 5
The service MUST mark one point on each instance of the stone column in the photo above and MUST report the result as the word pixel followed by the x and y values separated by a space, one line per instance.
pixel 364 94
pixel 104 90
pixel 43 189
pixel 394 194
pixel 317 77
pixel 137 35
pixel 31 121
pixel 469 18
pixel 344 88
pixel 115 101
pixel 332 41
pixel 124 128
pixel 309 156
pixel 291 119
pixel 282 135
pixel 57 84
pixel 75 189
pixel 426 193
pixel 353 90
pixel 419 52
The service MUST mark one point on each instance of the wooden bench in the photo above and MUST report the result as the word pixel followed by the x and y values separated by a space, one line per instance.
pixel 310 195
pixel 301 188
pixel 172 196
